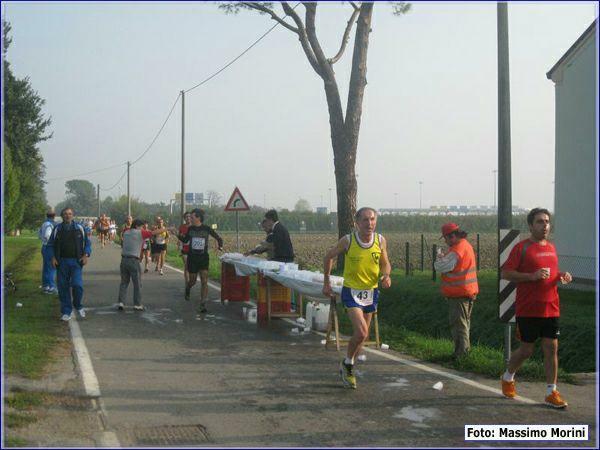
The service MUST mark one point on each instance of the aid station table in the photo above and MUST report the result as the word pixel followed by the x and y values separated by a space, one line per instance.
pixel 305 283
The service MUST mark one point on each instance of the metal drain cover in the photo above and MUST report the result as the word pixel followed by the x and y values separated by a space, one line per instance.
pixel 171 435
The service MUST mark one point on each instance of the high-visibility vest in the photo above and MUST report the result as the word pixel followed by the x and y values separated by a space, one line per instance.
pixel 462 281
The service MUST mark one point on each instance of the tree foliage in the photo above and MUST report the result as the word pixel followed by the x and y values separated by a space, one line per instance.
pixel 81 196
pixel 24 128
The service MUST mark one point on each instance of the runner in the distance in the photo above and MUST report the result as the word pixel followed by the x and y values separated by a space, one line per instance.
pixel 198 258
pixel 146 248
pixel 159 249
pixel 184 248
pixel 365 264
pixel 103 226
pixel 112 230
pixel 533 265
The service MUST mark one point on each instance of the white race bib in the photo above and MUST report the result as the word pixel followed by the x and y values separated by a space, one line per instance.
pixel 198 243
pixel 363 297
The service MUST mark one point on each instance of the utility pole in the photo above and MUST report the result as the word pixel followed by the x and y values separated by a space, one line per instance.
pixel 504 159
pixel 182 200
pixel 98 195
pixel 420 195
pixel 494 172
pixel 128 190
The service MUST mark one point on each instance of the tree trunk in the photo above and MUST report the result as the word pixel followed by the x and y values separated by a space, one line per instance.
pixel 344 134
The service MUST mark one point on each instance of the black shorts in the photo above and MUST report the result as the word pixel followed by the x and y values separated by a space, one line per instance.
pixel 196 263
pixel 157 248
pixel 529 329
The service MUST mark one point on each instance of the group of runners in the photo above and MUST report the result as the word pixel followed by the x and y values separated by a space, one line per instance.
pixel 532 265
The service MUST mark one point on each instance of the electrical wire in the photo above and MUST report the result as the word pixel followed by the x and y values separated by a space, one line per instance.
pixel 86 173
pixel 159 131
pixel 239 56
pixel 115 185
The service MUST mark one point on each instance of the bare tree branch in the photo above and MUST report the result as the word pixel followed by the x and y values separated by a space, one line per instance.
pixel 274 16
pixel 311 13
pixel 346 36
pixel 303 38
pixel 355 6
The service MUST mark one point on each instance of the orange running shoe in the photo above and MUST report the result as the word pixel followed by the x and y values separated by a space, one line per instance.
pixel 508 388
pixel 555 400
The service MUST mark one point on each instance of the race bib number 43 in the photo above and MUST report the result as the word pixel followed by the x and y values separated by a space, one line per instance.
pixel 363 297
pixel 198 243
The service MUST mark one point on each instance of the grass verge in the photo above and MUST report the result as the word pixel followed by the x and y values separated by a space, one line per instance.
pixel 32 330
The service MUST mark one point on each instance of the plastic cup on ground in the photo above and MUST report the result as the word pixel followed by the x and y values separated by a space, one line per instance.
pixel 385 347
pixel 438 386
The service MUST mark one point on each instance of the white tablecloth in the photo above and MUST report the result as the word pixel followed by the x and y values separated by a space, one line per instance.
pixel 302 281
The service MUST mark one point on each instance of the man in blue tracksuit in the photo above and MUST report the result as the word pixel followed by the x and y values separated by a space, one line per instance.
pixel 48 270
pixel 71 249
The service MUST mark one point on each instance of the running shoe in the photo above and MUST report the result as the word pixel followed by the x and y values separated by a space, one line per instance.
pixel 81 313
pixel 120 306
pixel 508 388
pixel 146 270
pixel 202 310
pixel 161 272
pixel 346 372
pixel 139 308
pixel 65 317
pixel 187 293
pixel 555 400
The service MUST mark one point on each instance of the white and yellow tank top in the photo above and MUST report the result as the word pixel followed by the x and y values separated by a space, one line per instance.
pixel 361 263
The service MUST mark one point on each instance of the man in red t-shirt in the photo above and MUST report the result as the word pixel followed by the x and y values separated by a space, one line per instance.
pixel 185 248
pixel 533 265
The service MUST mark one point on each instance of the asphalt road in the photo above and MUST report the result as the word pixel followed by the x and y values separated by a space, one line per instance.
pixel 167 378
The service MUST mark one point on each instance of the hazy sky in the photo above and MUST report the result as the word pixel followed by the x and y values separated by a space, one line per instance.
pixel 110 73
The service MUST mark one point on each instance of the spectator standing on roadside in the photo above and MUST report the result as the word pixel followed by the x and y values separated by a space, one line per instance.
pixel 71 249
pixel 48 269
pixel 458 267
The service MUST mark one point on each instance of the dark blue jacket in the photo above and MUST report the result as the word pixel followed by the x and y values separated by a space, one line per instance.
pixel 83 243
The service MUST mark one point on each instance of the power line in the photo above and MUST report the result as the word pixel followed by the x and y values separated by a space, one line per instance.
pixel 115 185
pixel 86 173
pixel 159 131
pixel 239 56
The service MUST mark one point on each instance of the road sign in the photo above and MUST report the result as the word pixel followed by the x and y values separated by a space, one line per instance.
pixel 237 202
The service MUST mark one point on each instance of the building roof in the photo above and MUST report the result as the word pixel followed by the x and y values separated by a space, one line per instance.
pixel 590 31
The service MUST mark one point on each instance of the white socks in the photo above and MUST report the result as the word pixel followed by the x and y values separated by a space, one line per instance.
pixel 349 361
pixel 550 388
pixel 508 376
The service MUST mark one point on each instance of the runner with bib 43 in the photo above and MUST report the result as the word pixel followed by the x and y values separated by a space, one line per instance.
pixel 366 263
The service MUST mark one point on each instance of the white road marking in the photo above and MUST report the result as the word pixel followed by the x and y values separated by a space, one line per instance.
pixel 90 381
pixel 407 362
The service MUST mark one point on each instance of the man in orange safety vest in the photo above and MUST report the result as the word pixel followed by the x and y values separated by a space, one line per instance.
pixel 459 284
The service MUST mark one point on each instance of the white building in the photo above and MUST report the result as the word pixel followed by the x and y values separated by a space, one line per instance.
pixel 575 79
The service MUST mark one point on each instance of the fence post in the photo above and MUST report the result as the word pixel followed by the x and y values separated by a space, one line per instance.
pixel 478 265
pixel 433 255
pixel 407 259
pixel 422 253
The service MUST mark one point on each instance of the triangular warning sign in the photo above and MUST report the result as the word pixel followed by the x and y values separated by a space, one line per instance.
pixel 237 202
